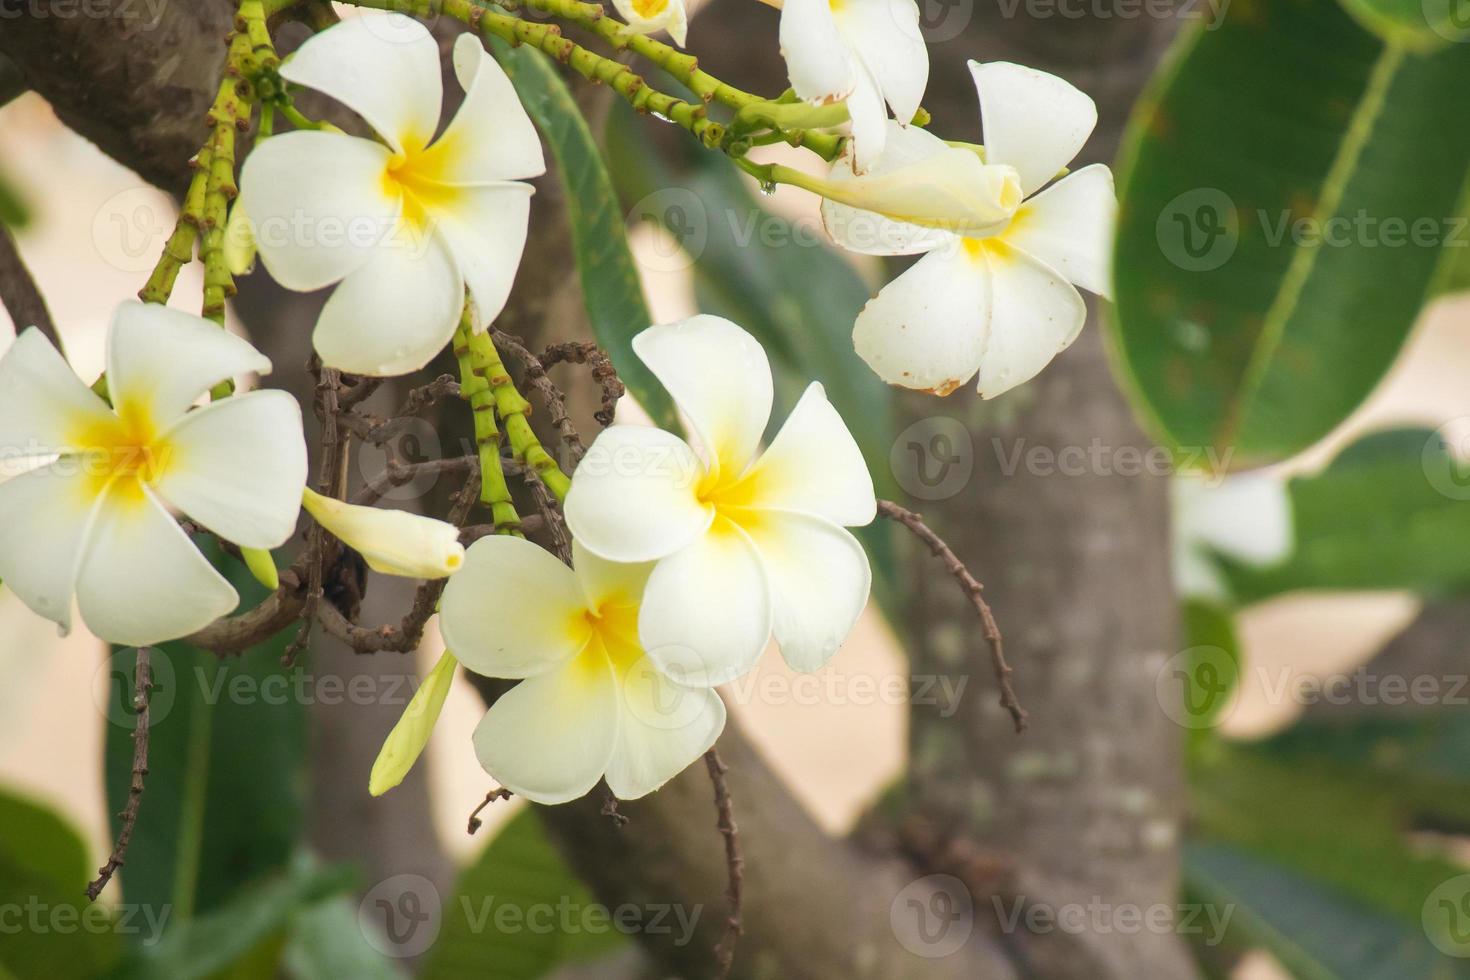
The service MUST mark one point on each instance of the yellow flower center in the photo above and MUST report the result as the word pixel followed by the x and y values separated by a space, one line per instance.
pixel 417 176
pixel 124 452
pixel 613 635
pixel 648 9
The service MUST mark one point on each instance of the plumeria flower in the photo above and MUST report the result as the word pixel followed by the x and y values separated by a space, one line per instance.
pixel 868 52
pixel 1247 518
pixel 1001 303
pixel 746 543
pixel 648 16
pixel 403 227
pixel 393 542
pixel 94 521
pixel 590 704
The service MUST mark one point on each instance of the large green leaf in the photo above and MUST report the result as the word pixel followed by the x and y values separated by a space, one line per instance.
pixel 1423 25
pixel 1315 932
pixel 226 770
pixel 1232 330
pixel 518 912
pixel 610 284
pixel 47 927
pixel 1390 512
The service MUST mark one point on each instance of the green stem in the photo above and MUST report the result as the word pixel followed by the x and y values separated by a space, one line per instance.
pixel 514 411
pixel 475 388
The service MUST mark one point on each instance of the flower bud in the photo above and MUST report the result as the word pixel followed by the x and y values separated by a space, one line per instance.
pixel 952 190
pixel 393 542
pixel 406 742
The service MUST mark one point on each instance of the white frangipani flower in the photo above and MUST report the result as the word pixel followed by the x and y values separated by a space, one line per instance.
pixel 746 543
pixel 403 227
pixel 867 52
pixel 95 522
pixel 1247 518
pixel 649 16
pixel 1003 302
pixel 393 542
pixel 591 704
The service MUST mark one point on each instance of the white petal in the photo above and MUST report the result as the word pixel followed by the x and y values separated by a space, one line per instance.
pixel 819 578
pixel 814 466
pixel 393 542
pixel 665 727
pixel 1035 314
pixel 869 121
pixel 44 407
pixel 1247 517
pixel 720 378
pixel 1069 226
pixel 927 328
pixel 7 337
pixel 490 138
pixel 609 583
pixel 487 233
pixel 386 69
pixel 513 610
pixel 1033 121
pixel 45 516
pixel 142 580
pixel 817 59
pixel 643 19
pixel 706 612
pixel 633 495
pixel 394 314
pixel 885 35
pixel 858 230
pixel 238 467
pixel 318 204
pixel 549 738
pixel 679 23
pixel 160 360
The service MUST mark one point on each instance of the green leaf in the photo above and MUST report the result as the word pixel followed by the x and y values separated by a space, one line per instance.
pixel 49 928
pixel 505 921
pixel 610 284
pixel 1315 932
pixel 1232 330
pixel 1388 513
pixel 226 779
pixel 1422 25
pixel 1212 665
pixel 327 943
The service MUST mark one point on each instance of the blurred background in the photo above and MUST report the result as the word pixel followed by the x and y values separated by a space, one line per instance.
pixel 1320 785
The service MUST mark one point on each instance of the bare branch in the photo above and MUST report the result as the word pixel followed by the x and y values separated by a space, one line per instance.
pixel 495 794
pixel 20 294
pixel 142 694
pixel 734 862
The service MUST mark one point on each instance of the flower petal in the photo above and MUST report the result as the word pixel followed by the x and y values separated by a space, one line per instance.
pixel 665 727
pixel 609 583
pixel 160 360
pixel 819 578
pixel 318 205
pixel 720 378
pixel 487 233
pixel 238 467
pixel 45 517
pixel 866 232
pixel 490 138
pixel 817 59
pixel 142 581
pixel 868 120
pixel 706 613
pixel 408 739
pixel 927 328
pixel 549 738
pixel 1033 121
pixel 44 407
pixel 814 466
pixel 1069 226
pixel 393 542
pixel 885 35
pixel 513 610
pixel 633 495
pixel 384 68
pixel 394 314
pixel 1246 517
pixel 1035 314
